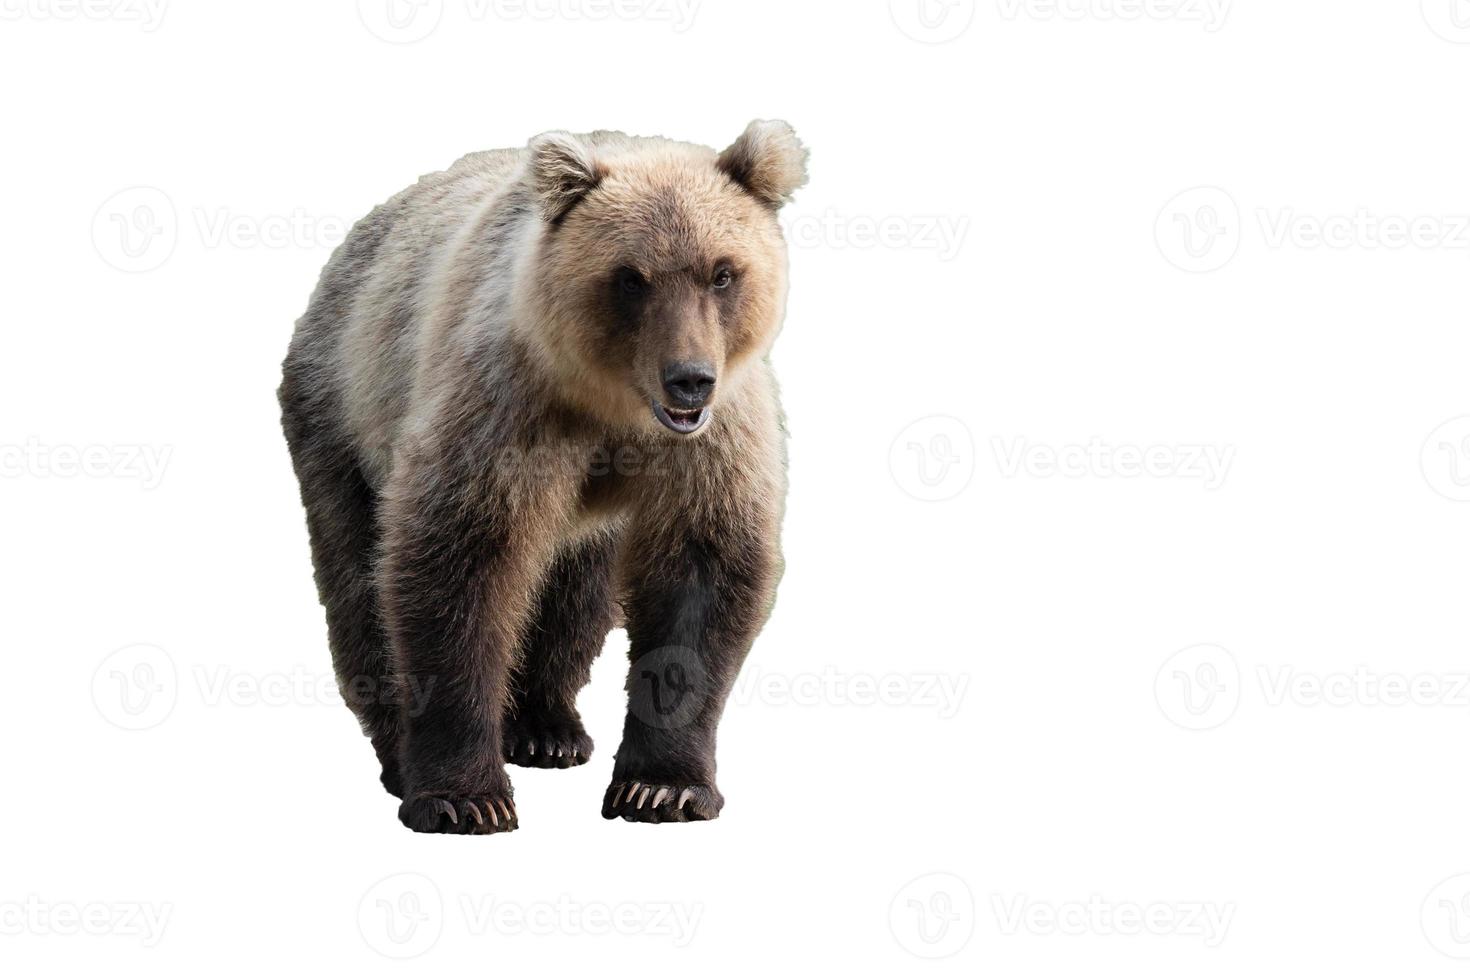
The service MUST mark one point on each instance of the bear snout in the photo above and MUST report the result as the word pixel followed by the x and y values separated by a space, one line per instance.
pixel 688 384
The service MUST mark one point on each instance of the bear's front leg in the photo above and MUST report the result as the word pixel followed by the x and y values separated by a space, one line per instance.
pixel 456 585
pixel 697 596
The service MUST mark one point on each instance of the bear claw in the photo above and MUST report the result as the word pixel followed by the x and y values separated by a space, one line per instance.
pixel 552 747
pixel 481 814
pixel 640 802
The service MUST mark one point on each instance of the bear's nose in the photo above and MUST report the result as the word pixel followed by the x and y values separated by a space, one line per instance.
pixel 689 383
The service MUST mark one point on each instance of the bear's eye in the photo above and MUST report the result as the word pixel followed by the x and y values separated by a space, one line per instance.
pixel 630 282
pixel 724 275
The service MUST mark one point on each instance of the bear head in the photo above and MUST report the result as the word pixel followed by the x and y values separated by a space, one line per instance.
pixel 658 272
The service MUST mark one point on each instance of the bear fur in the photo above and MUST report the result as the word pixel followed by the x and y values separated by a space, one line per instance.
pixel 531 399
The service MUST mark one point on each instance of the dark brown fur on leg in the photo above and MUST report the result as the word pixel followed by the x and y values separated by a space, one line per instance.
pixel 341 512
pixel 440 566
pixel 573 616
pixel 466 541
pixel 697 600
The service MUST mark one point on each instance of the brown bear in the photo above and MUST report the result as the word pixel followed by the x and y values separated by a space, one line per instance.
pixel 530 399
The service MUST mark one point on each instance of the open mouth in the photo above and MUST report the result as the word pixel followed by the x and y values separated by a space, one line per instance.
pixel 682 420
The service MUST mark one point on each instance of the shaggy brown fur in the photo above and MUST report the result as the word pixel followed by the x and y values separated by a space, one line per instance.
pixel 478 406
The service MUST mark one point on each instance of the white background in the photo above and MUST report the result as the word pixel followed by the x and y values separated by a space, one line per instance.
pixel 1005 228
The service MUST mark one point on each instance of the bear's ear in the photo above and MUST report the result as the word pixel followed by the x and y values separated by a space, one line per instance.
pixel 767 160
pixel 562 172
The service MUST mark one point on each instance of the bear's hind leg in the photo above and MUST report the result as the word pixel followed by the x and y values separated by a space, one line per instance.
pixel 341 518
pixel 574 613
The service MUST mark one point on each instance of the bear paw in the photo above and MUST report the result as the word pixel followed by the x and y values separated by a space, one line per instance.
pixel 547 745
pixel 641 802
pixel 478 814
